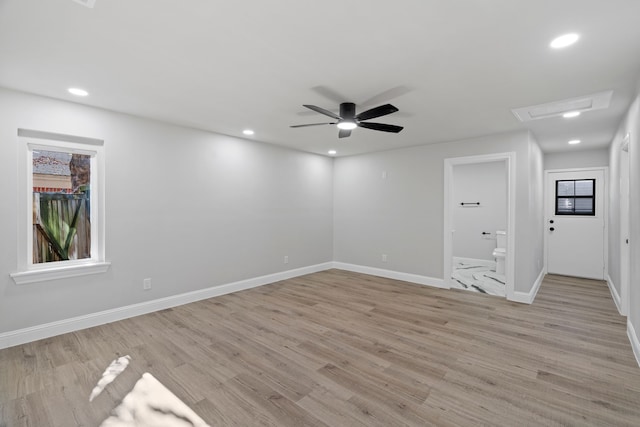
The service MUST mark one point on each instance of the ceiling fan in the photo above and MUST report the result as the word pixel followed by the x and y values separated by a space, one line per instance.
pixel 347 120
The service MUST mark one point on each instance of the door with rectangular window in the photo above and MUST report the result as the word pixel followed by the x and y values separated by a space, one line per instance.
pixel 575 221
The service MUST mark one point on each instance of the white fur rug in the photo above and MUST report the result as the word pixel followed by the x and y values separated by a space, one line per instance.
pixel 150 404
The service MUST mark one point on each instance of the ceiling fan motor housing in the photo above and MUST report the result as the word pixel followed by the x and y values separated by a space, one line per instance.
pixel 348 111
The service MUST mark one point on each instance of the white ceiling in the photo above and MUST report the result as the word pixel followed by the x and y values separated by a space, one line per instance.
pixel 454 68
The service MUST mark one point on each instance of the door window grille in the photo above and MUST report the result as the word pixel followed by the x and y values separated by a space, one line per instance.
pixel 576 197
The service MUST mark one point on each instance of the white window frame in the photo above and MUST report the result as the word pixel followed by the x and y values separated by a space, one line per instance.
pixel 28 272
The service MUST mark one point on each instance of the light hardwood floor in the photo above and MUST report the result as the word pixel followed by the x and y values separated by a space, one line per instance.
pixel 345 349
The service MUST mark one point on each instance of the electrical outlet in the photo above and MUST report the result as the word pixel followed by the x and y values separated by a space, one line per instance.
pixel 146 284
pixel 286 259
pixel 384 257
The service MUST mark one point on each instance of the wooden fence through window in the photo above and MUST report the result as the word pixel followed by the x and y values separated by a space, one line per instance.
pixel 55 217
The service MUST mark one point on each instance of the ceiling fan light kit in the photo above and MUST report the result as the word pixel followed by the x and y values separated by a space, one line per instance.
pixel 347 120
pixel 347 125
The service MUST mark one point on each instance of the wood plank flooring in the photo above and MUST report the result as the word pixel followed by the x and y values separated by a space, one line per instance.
pixel 343 349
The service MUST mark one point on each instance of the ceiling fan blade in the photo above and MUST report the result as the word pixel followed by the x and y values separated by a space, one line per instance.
pixel 386 96
pixel 344 133
pixel 330 94
pixel 323 111
pixel 309 113
pixel 380 111
pixel 310 124
pixel 381 126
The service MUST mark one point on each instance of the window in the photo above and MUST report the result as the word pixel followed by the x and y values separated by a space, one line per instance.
pixel 576 197
pixel 61 223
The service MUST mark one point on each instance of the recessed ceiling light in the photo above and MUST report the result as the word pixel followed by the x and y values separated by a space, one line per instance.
pixel 248 132
pixel 332 152
pixel 77 91
pixel 571 114
pixel 564 40
pixel 346 125
pixel 574 141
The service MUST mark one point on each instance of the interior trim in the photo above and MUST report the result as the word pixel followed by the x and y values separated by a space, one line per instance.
pixel 633 339
pixel 529 297
pixel 614 294
pixel 61 272
pixel 34 333
pixel 509 159
pixel 390 274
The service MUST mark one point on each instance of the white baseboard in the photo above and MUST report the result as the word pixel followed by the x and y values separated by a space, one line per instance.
pixel 22 336
pixel 390 274
pixel 635 341
pixel 528 297
pixel 614 294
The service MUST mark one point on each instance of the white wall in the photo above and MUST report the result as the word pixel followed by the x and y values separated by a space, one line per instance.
pixel 614 210
pixel 187 208
pixel 533 241
pixel 631 126
pixel 577 159
pixel 485 183
pixel 402 215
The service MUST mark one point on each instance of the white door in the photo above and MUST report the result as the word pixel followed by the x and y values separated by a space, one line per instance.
pixel 575 223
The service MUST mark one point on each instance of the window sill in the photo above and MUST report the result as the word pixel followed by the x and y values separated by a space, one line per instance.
pixel 60 272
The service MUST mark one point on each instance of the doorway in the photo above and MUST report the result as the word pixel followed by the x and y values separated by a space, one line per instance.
pixel 575 218
pixel 625 256
pixel 479 212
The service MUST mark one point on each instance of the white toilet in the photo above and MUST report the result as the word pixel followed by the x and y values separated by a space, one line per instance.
pixel 501 250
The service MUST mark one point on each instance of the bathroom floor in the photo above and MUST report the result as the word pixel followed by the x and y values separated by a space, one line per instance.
pixel 477 275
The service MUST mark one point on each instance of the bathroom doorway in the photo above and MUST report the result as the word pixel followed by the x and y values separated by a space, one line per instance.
pixel 479 211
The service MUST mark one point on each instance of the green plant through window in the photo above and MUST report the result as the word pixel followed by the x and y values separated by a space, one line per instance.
pixel 61 204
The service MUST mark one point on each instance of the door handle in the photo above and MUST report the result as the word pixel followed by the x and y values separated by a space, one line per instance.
pixel 551 228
